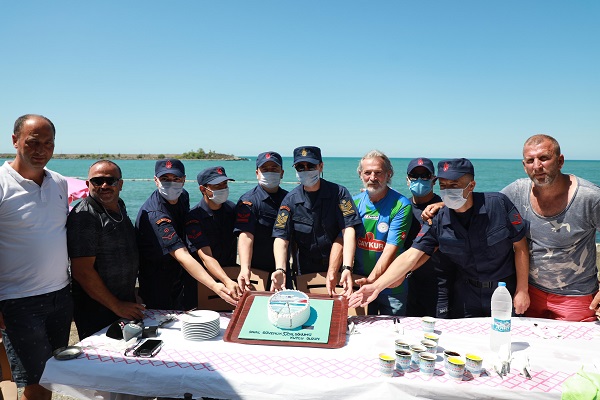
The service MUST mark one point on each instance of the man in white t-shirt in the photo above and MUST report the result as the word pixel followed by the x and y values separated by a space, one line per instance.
pixel 36 308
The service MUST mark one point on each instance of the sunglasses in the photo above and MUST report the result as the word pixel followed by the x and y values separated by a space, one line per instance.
pixel 424 176
pixel 300 167
pixel 101 180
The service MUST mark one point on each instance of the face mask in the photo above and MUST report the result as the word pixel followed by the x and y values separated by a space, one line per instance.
pixel 453 198
pixel 269 180
pixel 170 190
pixel 308 178
pixel 220 196
pixel 420 188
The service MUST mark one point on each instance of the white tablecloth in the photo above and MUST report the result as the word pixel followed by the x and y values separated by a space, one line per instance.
pixel 217 369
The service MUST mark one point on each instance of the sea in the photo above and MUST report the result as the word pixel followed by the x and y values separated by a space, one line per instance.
pixel 490 175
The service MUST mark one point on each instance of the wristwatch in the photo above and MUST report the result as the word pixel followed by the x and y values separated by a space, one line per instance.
pixel 346 267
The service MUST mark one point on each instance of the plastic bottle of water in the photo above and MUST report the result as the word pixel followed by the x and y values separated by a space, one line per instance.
pixel 501 314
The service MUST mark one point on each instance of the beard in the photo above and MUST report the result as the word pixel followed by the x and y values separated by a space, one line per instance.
pixel 547 180
pixel 375 190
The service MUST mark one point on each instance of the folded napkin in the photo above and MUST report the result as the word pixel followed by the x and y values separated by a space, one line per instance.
pixel 582 386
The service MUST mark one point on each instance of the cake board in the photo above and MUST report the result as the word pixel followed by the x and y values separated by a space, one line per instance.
pixel 337 327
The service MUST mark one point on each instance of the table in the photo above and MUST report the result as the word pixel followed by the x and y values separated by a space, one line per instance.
pixel 218 369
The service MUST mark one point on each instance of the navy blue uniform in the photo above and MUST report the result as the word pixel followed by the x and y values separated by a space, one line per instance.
pixel 482 251
pixel 429 285
pixel 255 213
pixel 214 228
pixel 313 220
pixel 160 230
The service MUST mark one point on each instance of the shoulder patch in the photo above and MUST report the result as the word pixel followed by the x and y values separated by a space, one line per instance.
pixel 163 220
pixel 346 207
pixel 515 218
pixel 282 218
pixel 285 208
pixel 242 217
pixel 248 203
pixel 191 221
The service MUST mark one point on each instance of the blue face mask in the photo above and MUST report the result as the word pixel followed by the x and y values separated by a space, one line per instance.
pixel 420 188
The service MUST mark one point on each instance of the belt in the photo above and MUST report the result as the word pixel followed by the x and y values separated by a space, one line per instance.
pixel 481 285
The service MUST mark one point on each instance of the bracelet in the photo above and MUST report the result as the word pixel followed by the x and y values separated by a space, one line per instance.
pixel 280 269
pixel 346 267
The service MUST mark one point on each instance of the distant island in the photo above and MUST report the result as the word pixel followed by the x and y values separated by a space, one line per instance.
pixel 190 155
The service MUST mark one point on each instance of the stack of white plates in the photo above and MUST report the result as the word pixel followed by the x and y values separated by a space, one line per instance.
pixel 200 324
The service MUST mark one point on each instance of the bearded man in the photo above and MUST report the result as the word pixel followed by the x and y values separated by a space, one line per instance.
pixel 386 217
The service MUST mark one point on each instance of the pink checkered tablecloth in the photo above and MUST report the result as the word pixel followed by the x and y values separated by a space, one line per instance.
pixel 218 369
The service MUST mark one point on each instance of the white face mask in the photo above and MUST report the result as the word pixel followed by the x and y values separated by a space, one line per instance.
pixel 170 191
pixel 308 178
pixel 269 180
pixel 220 196
pixel 453 198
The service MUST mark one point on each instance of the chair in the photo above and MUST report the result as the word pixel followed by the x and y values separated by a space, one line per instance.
pixel 209 300
pixel 8 389
pixel 315 283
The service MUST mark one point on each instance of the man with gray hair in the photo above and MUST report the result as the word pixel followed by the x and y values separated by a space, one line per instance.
pixel 387 216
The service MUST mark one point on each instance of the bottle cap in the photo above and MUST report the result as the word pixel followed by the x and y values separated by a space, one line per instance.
pixel 501 283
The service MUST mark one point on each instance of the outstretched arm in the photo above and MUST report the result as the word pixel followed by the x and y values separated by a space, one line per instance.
pixel 196 270
pixel 280 251
pixel 393 276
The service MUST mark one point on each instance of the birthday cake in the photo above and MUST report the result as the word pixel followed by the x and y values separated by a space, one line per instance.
pixel 288 309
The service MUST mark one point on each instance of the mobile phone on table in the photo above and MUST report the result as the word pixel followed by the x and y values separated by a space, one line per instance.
pixel 148 348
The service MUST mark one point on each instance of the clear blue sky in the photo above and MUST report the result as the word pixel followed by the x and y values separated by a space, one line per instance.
pixel 436 78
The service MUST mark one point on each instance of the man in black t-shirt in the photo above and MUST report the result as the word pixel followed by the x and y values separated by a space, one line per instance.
pixel 104 257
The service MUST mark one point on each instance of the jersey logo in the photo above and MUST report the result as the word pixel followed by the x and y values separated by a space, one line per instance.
pixel 281 221
pixel 165 220
pixel 346 207
pixel 383 227
pixel 369 243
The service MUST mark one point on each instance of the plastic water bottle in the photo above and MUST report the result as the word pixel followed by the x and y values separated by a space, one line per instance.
pixel 501 314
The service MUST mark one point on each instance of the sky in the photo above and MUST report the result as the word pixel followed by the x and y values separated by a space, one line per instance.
pixel 415 78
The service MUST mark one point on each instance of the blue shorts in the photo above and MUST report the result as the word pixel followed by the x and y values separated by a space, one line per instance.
pixel 35 326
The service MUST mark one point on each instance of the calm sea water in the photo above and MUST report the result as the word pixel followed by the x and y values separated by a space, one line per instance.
pixel 490 175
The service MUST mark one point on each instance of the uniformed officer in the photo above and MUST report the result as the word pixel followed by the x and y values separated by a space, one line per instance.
pixel 161 242
pixel 255 216
pixel 209 229
pixel 428 287
pixel 314 215
pixel 482 233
